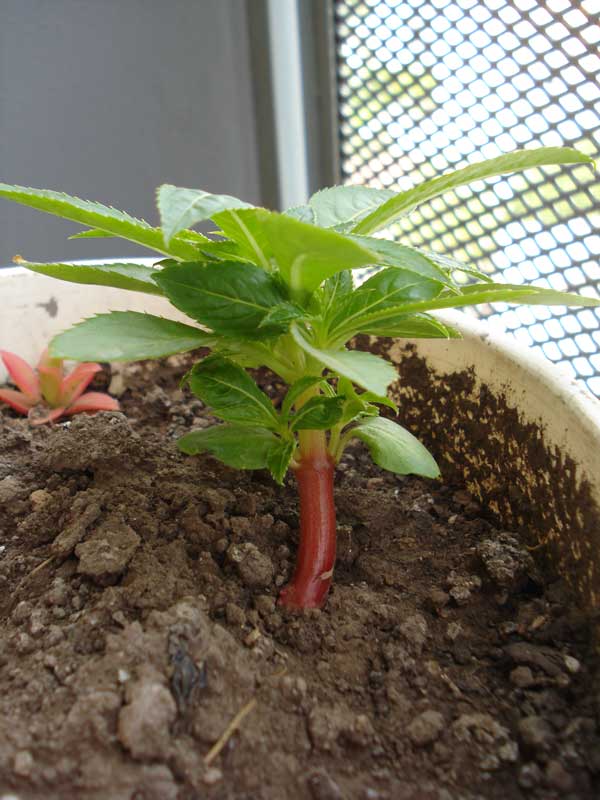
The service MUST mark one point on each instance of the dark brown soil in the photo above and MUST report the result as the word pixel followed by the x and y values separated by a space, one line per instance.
pixel 138 619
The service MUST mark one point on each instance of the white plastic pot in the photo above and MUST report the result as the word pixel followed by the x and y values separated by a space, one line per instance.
pixel 522 435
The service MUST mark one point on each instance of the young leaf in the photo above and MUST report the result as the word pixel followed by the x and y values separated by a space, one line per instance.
pixel 237 446
pixel 127 336
pixel 346 204
pixel 335 289
pixel 231 393
pixel 393 448
pixel 282 315
pixel 181 208
pixel 304 254
pixel 229 297
pixel 243 226
pixel 392 254
pixel 97 216
pixel 296 390
pixel 279 458
pixel 473 295
pixel 92 233
pixel 388 287
pixel 366 370
pixel 134 277
pixel 303 213
pixel 404 202
pixel 319 413
pixel 411 326
pixel 451 265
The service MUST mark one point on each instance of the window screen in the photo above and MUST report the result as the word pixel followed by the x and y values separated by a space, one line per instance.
pixel 426 86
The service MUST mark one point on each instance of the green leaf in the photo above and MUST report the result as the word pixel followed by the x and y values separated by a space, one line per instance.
pixel 480 293
pixel 404 202
pixel 229 297
pixel 304 213
pixel 365 369
pixel 339 205
pixel 307 255
pixel 412 326
pixel 231 393
pixel 97 216
pixel 393 448
pixel 282 315
pixel 279 459
pixel 296 390
pixel 319 413
pixel 392 254
pixel 244 227
pixel 452 265
pixel 134 277
pixel 222 250
pixel 387 288
pixel 346 388
pixel 92 233
pixel 181 208
pixel 237 446
pixel 335 289
pixel 127 336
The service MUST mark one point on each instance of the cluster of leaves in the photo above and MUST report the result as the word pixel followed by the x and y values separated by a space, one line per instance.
pixel 47 392
pixel 276 290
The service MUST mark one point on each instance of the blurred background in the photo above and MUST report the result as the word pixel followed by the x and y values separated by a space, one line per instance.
pixel 269 100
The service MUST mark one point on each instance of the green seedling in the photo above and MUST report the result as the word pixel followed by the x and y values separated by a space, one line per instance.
pixel 276 290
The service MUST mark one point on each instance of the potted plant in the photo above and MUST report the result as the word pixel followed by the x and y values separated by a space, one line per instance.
pixel 276 292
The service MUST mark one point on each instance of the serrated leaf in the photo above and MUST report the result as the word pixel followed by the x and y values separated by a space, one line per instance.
pixel 243 226
pixel 296 390
pixel 282 315
pixel 92 233
pixel 237 446
pixel 127 336
pixel 278 460
pixel 231 393
pixel 335 289
pixel 223 250
pixel 404 202
pixel 319 413
pixel 411 326
pixel 339 205
pixel 307 255
pixel 97 216
pixel 229 297
pixel 365 369
pixel 181 208
pixel 393 448
pixel 134 277
pixel 393 254
pixel 481 293
pixel 304 213
pixel 453 265
pixel 388 287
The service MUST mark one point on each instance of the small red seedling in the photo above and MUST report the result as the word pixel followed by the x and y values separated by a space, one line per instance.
pixel 47 393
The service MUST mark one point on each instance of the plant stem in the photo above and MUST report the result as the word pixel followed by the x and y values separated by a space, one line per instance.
pixel 316 553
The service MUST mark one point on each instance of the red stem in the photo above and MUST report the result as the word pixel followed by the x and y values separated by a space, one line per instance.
pixel 316 553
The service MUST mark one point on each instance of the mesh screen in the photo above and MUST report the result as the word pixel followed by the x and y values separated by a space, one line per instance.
pixel 426 86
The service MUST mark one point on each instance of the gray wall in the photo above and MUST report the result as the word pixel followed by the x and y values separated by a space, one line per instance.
pixel 107 99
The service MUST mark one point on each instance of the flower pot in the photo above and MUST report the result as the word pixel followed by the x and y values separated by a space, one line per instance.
pixel 521 433
pixel 150 636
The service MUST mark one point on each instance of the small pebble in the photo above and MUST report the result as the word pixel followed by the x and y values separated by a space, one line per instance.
pixel 23 763
pixel 522 677
pixel 426 728
pixel 212 775
pixel 557 777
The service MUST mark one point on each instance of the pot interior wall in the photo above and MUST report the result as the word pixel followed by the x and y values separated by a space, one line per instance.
pixel 482 438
